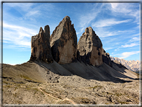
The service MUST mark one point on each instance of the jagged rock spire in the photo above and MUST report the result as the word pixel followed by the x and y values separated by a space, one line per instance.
pixel 63 42
pixel 90 48
pixel 40 46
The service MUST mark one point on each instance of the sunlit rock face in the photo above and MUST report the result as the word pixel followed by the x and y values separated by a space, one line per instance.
pixel 40 46
pixel 90 48
pixel 63 42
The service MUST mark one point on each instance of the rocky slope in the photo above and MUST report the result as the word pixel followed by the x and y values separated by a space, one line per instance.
pixel 131 65
pixel 60 71
pixel 42 83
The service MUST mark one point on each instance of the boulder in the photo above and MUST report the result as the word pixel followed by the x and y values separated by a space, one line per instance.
pixel 40 46
pixel 90 48
pixel 63 42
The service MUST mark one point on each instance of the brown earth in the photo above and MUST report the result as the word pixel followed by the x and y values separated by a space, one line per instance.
pixel 42 83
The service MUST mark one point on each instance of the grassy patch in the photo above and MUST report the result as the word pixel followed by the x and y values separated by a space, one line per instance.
pixel 29 79
pixel 63 102
pixel 7 86
pixel 18 102
pixel 118 94
pixel 97 86
pixel 5 82
pixel 35 90
pixel 83 100
pixel 25 77
pixel 123 102
pixel 54 94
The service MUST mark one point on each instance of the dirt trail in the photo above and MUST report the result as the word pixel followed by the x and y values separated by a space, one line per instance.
pixel 69 100
pixel 40 88
pixel 58 99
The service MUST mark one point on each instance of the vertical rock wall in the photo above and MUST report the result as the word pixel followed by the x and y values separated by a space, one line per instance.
pixel 40 46
pixel 63 42
pixel 106 58
pixel 90 48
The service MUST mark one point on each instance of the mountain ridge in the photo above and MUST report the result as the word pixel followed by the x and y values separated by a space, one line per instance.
pixel 133 65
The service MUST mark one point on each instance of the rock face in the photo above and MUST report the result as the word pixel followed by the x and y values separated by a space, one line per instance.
pixel 40 46
pixel 106 58
pixel 63 42
pixel 90 48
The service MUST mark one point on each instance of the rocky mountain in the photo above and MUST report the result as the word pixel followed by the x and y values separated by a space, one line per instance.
pixel 90 48
pixel 60 71
pixel 131 65
pixel 40 46
pixel 63 42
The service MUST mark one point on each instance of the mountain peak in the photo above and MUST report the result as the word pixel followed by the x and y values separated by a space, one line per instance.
pixel 90 48
pixel 67 18
pixel 63 42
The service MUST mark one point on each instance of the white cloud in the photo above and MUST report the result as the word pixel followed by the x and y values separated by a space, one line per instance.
pixel 114 5
pixel 22 30
pixel 29 11
pixel 87 18
pixel 127 54
pixel 15 40
pixel 135 39
pixel 117 49
pixel 108 22
pixel 108 48
pixel 20 36
pixel 105 32
pixel 126 9
pixel 130 45
pixel 22 6
pixel 32 13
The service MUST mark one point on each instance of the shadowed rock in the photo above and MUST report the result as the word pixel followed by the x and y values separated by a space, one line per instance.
pixel 63 42
pixel 40 46
pixel 106 58
pixel 90 48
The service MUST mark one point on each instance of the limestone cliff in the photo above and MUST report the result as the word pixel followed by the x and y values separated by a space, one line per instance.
pixel 40 46
pixel 63 42
pixel 90 48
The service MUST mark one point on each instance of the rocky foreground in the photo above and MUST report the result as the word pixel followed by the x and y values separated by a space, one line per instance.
pixel 62 71
pixel 37 83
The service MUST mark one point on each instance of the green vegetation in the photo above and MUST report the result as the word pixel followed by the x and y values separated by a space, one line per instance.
pixel 97 86
pixel 85 100
pixel 29 79
pixel 18 102
pixel 118 94
pixel 54 94
pixel 25 77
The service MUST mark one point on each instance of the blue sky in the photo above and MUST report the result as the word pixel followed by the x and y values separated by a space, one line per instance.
pixel 117 25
